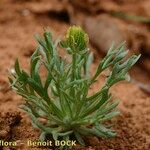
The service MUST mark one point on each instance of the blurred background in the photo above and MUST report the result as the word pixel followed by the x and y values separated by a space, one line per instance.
pixel 105 21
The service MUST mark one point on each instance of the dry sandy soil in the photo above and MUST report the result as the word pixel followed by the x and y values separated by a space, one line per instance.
pixel 19 21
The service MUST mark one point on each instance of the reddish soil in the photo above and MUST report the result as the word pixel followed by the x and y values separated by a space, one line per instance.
pixel 19 21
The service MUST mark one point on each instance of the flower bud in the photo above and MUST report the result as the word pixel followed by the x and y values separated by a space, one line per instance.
pixel 76 39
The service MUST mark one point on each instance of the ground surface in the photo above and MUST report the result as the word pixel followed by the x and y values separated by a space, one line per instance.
pixel 19 21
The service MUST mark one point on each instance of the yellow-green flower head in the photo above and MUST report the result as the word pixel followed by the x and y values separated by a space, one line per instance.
pixel 76 39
